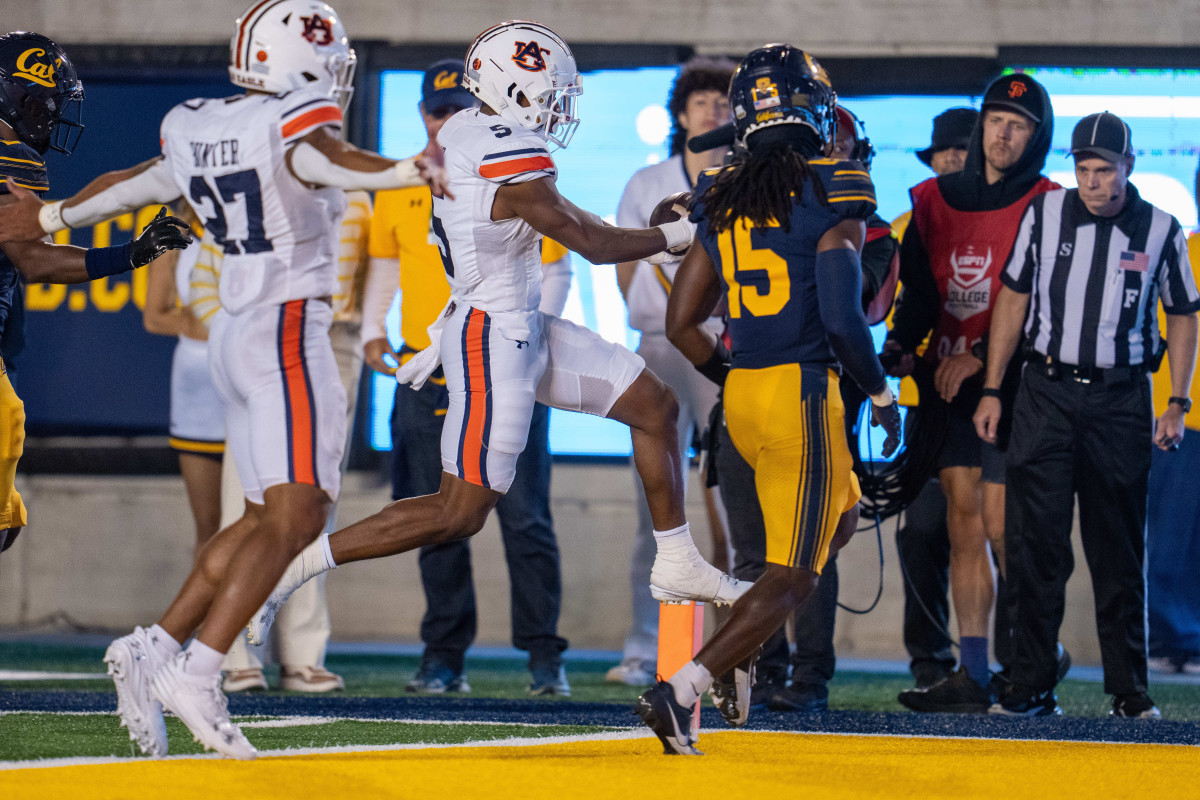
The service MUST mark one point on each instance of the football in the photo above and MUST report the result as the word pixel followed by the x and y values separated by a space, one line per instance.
pixel 669 209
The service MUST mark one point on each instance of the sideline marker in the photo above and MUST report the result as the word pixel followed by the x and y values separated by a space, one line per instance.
pixel 680 635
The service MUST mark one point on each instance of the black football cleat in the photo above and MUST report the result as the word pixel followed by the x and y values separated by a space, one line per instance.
pixel 1134 706
pixel 1026 701
pixel 671 722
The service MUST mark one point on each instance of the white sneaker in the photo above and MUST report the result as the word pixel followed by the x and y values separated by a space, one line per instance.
pixel 132 661
pixel 680 578
pixel 260 624
pixel 631 672
pixel 731 692
pixel 201 705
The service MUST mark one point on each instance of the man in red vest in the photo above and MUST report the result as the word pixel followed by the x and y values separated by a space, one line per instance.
pixel 963 226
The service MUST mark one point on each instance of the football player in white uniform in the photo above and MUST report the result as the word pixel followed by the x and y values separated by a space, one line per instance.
pixel 266 171
pixel 498 351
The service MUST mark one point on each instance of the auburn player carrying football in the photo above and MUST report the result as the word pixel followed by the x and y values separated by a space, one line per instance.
pixel 499 353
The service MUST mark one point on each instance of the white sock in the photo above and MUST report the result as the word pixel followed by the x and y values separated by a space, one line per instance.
pixel 692 680
pixel 162 642
pixel 318 557
pixel 677 541
pixel 200 659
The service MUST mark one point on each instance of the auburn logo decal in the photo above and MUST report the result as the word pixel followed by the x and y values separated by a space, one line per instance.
pixel 529 56
pixel 317 29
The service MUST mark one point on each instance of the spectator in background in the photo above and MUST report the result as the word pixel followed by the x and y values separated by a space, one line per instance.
pixel 400 231
pixel 1173 527
pixel 923 543
pixel 962 230
pixel 1084 280
pixel 697 104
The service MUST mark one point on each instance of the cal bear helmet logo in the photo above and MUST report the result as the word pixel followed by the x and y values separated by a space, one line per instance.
pixel 529 56
pixel 765 94
pixel 446 79
pixel 31 68
pixel 317 29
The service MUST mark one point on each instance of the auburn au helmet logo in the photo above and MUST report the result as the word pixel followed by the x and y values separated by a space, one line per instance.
pixel 317 30
pixel 31 67
pixel 529 56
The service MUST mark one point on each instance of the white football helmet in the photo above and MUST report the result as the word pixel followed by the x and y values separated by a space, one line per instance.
pixel 292 44
pixel 527 59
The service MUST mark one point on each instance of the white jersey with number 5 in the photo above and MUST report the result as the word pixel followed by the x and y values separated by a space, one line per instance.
pixel 491 265
pixel 228 158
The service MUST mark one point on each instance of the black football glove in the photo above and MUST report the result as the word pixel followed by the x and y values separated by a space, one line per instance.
pixel 889 417
pixel 162 234
pixel 716 369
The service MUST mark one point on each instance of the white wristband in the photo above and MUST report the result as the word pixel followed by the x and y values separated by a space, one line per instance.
pixel 678 232
pixel 884 398
pixel 50 217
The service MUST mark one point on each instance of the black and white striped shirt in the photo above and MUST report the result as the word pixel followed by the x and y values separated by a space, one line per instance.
pixel 1096 281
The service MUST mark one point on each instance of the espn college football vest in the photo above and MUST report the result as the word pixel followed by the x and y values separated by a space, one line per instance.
pixel 967 252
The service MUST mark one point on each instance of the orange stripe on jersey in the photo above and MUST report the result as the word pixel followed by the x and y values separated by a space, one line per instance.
pixel 516 166
pixel 473 434
pixel 301 449
pixel 310 119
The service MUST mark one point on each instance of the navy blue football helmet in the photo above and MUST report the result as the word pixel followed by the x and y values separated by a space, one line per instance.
pixel 40 94
pixel 782 89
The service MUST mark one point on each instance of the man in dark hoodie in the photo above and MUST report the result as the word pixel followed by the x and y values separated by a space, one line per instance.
pixel 962 230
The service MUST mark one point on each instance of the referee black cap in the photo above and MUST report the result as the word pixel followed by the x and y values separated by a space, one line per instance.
pixel 1103 134
pixel 1016 92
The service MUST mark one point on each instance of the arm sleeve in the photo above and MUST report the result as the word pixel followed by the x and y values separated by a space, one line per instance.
pixel 151 185
pixel 383 281
pixel 556 283
pixel 1176 284
pixel 312 166
pixel 839 297
pixel 917 311
pixel 1018 272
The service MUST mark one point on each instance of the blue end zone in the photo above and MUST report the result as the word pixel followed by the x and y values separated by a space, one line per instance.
pixel 551 712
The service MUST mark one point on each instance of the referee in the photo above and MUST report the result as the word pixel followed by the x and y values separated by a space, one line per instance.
pixel 1085 275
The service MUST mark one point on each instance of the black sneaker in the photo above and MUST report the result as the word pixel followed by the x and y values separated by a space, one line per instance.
pixel 731 692
pixel 1025 701
pixel 927 673
pixel 956 694
pixel 765 687
pixel 804 697
pixel 671 722
pixel 1064 663
pixel 1134 706
pixel 549 680
pixel 436 678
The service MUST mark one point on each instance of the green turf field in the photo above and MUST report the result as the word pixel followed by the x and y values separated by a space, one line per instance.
pixel 26 736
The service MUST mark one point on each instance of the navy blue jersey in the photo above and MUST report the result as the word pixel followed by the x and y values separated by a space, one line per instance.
pixel 21 164
pixel 769 275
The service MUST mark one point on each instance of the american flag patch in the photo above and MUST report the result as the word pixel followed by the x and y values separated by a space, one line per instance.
pixel 1138 262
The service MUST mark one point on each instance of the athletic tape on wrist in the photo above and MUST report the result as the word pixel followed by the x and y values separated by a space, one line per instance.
pixel 50 217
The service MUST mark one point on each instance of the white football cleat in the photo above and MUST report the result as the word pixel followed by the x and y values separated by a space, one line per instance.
pixel 260 624
pixel 132 661
pixel 678 578
pixel 201 705
pixel 731 692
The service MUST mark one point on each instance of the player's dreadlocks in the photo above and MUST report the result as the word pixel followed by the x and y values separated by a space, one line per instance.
pixel 762 184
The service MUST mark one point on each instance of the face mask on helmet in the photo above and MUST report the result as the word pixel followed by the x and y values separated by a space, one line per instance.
pixel 41 97
pixel 782 86
pixel 294 44
pixel 526 74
